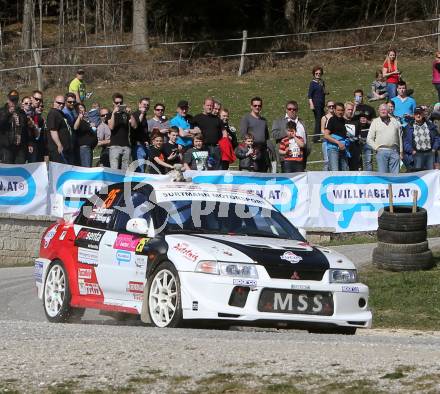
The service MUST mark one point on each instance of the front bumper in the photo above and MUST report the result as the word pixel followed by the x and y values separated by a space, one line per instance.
pixel 206 296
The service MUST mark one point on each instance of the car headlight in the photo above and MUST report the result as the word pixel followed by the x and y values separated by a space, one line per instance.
pixel 241 270
pixel 343 276
pixel 227 269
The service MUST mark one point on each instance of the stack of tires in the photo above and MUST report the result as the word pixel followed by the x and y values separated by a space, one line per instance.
pixel 402 244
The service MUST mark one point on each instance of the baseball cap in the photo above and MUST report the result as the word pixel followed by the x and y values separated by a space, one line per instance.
pixel 183 104
pixel 419 110
pixel 13 95
pixel 80 71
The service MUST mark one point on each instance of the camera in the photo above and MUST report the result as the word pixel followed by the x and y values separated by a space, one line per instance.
pixel 122 108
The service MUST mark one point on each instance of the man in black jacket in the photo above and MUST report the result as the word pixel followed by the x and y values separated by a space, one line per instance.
pixel 59 135
pixel 14 136
pixel 211 127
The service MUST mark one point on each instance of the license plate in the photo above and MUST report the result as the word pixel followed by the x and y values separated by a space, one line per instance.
pixel 296 302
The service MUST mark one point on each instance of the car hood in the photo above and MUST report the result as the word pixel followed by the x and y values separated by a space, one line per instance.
pixel 283 259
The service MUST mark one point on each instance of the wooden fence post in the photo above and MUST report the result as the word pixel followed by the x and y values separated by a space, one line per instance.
pixel 243 52
pixel 38 69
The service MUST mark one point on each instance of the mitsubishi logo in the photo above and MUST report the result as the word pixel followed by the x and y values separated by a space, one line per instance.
pixel 295 276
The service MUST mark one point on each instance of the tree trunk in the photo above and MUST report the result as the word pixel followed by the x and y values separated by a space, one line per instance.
pixel 140 32
pixel 267 16
pixel 289 13
pixel 26 31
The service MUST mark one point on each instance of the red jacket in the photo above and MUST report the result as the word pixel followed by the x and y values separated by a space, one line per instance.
pixel 226 150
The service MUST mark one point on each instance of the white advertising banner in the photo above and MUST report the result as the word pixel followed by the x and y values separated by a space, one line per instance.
pixel 350 201
pixel 287 192
pixel 340 201
pixel 70 185
pixel 24 189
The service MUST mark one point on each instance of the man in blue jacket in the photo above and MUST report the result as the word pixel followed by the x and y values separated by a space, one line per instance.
pixel 421 140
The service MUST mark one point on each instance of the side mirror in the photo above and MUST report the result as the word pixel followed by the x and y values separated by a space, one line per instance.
pixel 138 226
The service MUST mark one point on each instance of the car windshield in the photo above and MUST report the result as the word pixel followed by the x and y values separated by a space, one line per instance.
pixel 223 218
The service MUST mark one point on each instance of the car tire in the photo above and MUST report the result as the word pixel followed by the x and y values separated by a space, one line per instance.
pixel 403 219
pixel 164 296
pixel 393 261
pixel 403 248
pixel 56 296
pixel 401 237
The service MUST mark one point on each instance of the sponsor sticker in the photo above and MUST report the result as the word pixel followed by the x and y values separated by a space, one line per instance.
pixel 49 235
pixel 185 250
pixel 122 256
pixel 244 282
pixel 214 195
pixel 291 257
pixel 126 242
pixel 141 261
pixel 89 238
pixel 102 215
pixel 300 287
pixel 350 289
pixel 86 288
pixel 140 246
pixel 135 287
pixel 84 273
pixel 88 256
pixel 38 271
pixel 195 305
pixel 62 236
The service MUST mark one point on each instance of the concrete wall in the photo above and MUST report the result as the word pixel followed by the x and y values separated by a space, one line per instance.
pixel 20 237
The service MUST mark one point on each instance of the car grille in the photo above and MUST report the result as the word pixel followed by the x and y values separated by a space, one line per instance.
pixel 289 271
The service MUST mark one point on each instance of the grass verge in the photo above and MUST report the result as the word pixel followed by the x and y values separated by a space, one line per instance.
pixel 404 299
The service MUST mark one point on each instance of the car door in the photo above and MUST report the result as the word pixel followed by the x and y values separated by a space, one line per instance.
pixel 91 232
pixel 124 269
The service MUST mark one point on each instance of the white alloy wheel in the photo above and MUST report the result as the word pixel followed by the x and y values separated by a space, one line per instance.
pixel 55 291
pixel 164 297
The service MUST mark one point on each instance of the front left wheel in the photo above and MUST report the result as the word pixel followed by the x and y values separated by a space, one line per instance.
pixel 56 296
pixel 164 301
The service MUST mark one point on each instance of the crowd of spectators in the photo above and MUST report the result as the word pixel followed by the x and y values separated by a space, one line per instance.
pixel 351 133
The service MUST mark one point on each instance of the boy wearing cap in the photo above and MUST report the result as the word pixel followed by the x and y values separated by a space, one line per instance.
pixel 421 140
pixel 78 87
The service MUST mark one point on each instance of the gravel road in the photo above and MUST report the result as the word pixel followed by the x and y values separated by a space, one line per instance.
pixel 101 356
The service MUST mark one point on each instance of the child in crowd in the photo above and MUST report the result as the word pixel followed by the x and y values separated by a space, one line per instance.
pixel 171 149
pixel 157 158
pixel 196 158
pixel 248 154
pixel 226 150
pixel 292 150
pixel 378 88
pixel 93 114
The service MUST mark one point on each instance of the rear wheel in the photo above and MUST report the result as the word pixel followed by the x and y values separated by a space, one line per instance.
pixel 164 299
pixel 56 296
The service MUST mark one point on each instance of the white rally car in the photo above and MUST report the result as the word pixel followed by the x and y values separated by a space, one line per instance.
pixel 175 252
